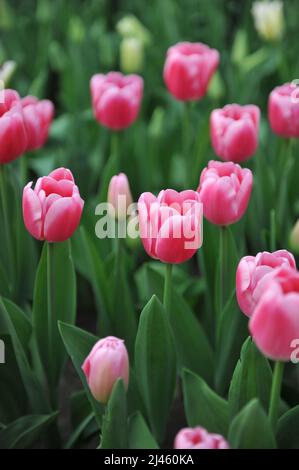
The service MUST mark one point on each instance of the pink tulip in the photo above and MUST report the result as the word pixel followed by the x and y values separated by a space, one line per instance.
pixel 52 210
pixel 38 116
pixel 116 99
pixel 13 136
pixel 119 196
pixel 199 438
pixel 283 110
pixel 170 225
pixel 253 272
pixel 106 363
pixel 234 132
pixel 274 324
pixel 224 190
pixel 188 70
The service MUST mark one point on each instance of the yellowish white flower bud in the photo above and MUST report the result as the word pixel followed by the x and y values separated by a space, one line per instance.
pixel 269 19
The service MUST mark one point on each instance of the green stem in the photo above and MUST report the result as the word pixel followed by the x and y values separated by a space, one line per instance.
pixel 223 268
pixel 115 153
pixel 7 234
pixel 272 230
pixel 186 141
pixel 51 317
pixel 275 393
pixel 284 178
pixel 167 288
pixel 24 169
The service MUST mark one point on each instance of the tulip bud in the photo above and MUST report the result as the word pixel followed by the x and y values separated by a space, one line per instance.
pixel 119 196
pixel 130 27
pixel 269 19
pixel 131 55
pixel 76 29
pixel 199 438
pixel 294 238
pixel 106 363
pixel 7 71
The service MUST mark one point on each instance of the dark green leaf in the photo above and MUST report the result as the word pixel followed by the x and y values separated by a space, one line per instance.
pixel 114 428
pixel 203 407
pixel 78 344
pixel 287 432
pixel 251 429
pixel 252 379
pixel 155 362
pixel 25 431
pixel 52 351
pixel 140 436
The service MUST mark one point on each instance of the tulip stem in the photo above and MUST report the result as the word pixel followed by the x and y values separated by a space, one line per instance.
pixel 167 288
pixel 51 315
pixel 275 393
pixel 272 230
pixel 222 268
pixel 115 153
pixel 7 235
pixel 186 141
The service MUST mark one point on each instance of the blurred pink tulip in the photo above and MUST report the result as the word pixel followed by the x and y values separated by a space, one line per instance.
pixel 283 110
pixel 170 225
pixel 38 116
pixel 199 438
pixel 274 324
pixel 116 99
pixel 119 195
pixel 52 210
pixel 224 190
pixel 234 132
pixel 253 272
pixel 13 135
pixel 188 70
pixel 107 362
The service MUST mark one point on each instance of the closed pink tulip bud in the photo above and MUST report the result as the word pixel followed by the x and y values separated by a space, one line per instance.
pixel 119 196
pixel 283 110
pixel 170 225
pixel 106 363
pixel 234 132
pixel 199 438
pixel 224 190
pixel 188 70
pixel 13 136
pixel 38 116
pixel 52 210
pixel 253 272
pixel 274 324
pixel 116 99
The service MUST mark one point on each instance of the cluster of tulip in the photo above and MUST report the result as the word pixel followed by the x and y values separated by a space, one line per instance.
pixel 267 286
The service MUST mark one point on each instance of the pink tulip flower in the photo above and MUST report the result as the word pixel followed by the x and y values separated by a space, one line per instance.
pixel 116 99
pixel 283 110
pixel 234 132
pixel 170 225
pixel 52 210
pixel 224 190
pixel 38 116
pixel 106 363
pixel 188 70
pixel 13 135
pixel 199 438
pixel 253 272
pixel 119 196
pixel 274 324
